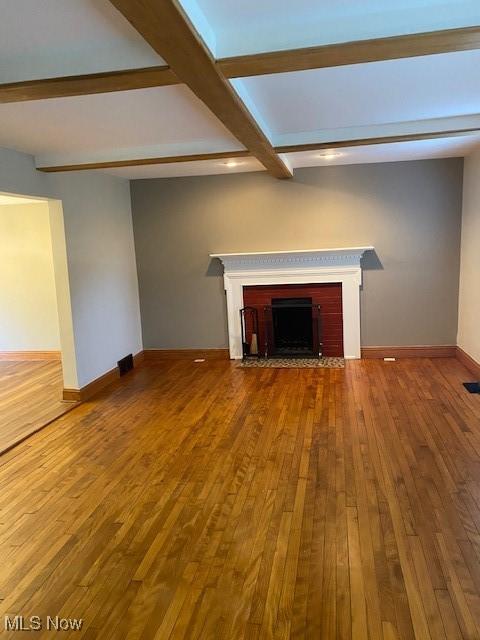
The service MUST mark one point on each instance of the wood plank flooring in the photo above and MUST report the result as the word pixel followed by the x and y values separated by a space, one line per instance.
pixel 30 397
pixel 211 501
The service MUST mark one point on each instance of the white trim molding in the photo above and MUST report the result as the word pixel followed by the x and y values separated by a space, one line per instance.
pixel 313 266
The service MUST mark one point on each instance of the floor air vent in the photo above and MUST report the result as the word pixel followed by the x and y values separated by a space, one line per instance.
pixel 472 387
pixel 125 364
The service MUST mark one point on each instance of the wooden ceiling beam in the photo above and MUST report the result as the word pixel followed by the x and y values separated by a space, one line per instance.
pixel 166 28
pixel 105 82
pixel 292 148
pixel 364 142
pixel 356 52
pixel 141 162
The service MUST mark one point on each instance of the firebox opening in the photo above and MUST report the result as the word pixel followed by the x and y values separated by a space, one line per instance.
pixel 292 327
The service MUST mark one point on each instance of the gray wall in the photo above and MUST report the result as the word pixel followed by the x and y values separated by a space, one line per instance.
pixel 101 259
pixel 410 212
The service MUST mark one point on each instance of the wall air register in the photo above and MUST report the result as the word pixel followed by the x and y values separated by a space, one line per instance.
pixel 125 364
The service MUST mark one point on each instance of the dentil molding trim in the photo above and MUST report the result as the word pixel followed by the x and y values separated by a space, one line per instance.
pixel 347 256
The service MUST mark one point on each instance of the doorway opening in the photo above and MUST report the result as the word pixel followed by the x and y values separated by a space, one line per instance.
pixel 37 358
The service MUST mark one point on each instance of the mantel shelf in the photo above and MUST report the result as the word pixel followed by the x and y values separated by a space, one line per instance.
pixel 344 256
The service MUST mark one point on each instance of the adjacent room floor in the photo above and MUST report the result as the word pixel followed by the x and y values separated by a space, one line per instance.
pixel 30 397
pixel 212 501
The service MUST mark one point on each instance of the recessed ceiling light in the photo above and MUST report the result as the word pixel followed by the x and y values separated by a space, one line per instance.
pixel 231 164
pixel 329 155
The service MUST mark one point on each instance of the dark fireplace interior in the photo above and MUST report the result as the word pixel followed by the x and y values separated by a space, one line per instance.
pixel 292 327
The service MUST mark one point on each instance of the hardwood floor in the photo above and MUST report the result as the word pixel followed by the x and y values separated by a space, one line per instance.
pixel 211 501
pixel 30 397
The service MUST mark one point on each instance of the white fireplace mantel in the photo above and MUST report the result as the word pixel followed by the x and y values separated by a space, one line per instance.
pixel 313 266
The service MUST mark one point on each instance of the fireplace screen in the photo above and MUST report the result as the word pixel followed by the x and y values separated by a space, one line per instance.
pixel 292 328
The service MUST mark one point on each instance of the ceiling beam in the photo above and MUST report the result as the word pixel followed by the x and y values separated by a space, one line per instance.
pixel 141 162
pixel 249 65
pixel 364 142
pixel 105 82
pixel 166 28
pixel 356 52
pixel 292 148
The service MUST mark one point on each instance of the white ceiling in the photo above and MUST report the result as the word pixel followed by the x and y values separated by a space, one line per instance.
pixel 129 124
pixel 197 168
pixel 399 151
pixel 46 38
pixel 367 94
pixel 250 26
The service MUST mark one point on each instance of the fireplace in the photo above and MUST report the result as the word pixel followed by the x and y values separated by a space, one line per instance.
pixel 276 268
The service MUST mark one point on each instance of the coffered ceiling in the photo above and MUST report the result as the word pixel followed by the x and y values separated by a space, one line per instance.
pixel 253 26
pixel 214 86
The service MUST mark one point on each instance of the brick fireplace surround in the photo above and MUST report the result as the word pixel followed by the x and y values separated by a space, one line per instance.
pixel 327 295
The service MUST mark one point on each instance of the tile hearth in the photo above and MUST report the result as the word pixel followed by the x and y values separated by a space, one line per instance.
pixel 295 363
